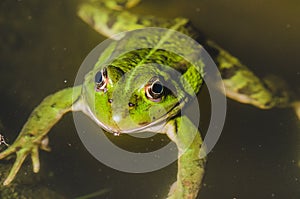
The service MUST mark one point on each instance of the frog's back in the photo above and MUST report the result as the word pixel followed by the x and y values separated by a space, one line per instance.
pixel 171 51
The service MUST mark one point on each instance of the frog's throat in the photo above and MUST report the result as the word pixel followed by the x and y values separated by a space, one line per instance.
pixel 147 128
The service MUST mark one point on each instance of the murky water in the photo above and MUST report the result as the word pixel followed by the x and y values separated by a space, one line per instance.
pixel 42 44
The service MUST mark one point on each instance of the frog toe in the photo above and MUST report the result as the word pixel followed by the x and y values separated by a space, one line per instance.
pixel 35 160
pixel 7 152
pixel 21 155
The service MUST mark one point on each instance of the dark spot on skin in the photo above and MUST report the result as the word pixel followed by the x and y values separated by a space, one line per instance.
pixel 18 148
pixel 181 66
pixel 30 135
pixel 276 92
pixel 136 56
pixel 213 52
pixel 267 104
pixel 140 38
pixel 37 116
pixel 139 21
pixel 246 90
pixel 122 3
pixel 200 163
pixel 227 73
pixel 163 58
pixel 111 21
pixel 53 105
pixel 116 69
pixel 131 104
pixel 143 123
pixel 266 85
pixel 136 97
pixel 110 101
pixel 176 127
pixel 91 20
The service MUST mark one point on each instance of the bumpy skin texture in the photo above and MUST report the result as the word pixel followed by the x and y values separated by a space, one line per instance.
pixel 109 17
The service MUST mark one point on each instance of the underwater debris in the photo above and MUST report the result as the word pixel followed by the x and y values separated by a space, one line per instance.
pixel 2 140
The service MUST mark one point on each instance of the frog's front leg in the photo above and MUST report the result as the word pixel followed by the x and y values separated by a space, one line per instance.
pixel 190 165
pixel 33 134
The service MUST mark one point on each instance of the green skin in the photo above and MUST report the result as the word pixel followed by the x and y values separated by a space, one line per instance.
pixel 127 77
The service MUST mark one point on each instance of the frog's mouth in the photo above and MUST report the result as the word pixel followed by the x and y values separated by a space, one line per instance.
pixel 151 127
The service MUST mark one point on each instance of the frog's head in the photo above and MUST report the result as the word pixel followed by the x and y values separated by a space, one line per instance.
pixel 125 99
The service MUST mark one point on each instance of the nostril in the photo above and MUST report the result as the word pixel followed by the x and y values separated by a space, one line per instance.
pixel 110 100
pixel 130 104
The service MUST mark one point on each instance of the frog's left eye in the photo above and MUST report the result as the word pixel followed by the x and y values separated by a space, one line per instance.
pixel 101 80
pixel 154 90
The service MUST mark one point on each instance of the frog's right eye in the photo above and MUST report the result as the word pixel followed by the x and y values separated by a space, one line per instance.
pixel 101 80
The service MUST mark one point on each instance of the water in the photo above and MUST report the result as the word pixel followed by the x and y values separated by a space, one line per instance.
pixel 43 44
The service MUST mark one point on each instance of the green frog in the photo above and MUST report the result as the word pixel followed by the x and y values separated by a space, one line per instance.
pixel 145 87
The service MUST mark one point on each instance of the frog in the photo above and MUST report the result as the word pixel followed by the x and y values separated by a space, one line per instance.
pixel 100 95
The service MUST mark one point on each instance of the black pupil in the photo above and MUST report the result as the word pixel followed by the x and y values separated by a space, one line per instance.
pixel 157 88
pixel 98 77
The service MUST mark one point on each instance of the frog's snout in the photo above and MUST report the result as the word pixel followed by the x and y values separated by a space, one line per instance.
pixel 130 104
pixel 117 118
pixel 120 123
pixel 122 120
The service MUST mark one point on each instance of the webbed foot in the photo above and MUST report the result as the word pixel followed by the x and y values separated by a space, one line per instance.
pixel 24 146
